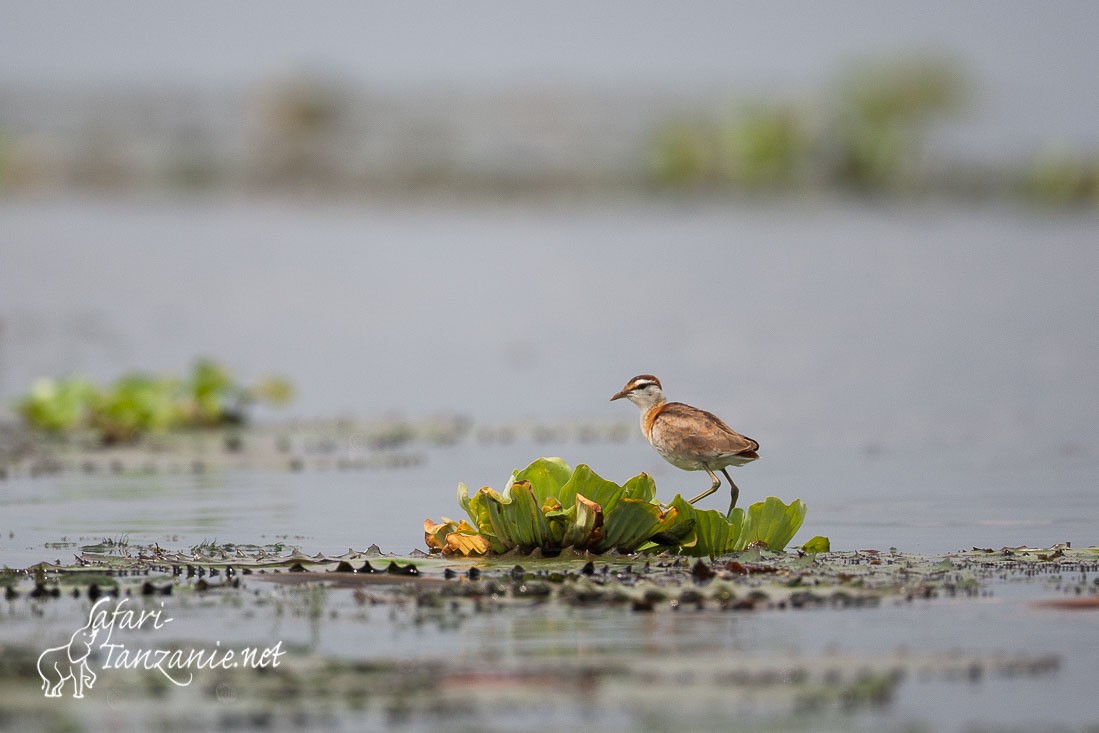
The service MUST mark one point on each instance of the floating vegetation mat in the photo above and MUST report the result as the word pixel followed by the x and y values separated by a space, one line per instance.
pixel 368 640
pixel 751 580
pixel 550 506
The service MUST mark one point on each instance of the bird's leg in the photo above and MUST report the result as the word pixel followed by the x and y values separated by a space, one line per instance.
pixel 733 489
pixel 712 489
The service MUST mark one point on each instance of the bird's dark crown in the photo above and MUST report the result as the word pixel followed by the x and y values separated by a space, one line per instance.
pixel 641 380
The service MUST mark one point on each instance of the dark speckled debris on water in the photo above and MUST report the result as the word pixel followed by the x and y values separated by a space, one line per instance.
pixel 527 612
pixel 753 580
pixel 394 568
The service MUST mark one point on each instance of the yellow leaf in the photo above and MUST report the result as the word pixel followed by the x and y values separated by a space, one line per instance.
pixel 466 544
pixel 464 526
pixel 435 533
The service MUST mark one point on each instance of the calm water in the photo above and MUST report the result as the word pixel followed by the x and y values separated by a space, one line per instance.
pixel 822 323
pixel 860 503
pixel 922 375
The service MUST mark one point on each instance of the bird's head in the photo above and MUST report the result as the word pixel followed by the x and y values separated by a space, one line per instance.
pixel 643 390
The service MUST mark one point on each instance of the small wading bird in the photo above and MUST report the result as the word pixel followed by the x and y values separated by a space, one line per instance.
pixel 687 437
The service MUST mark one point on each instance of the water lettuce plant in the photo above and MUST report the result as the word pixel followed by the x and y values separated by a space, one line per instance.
pixel 138 404
pixel 549 506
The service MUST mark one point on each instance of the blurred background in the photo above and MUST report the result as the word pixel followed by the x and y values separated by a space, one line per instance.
pixel 848 228
pixel 422 243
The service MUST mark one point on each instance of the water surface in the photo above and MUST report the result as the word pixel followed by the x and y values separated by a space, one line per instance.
pixel 922 375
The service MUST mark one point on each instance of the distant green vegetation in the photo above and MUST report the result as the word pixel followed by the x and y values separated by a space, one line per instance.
pixel 5 157
pixel 871 129
pixel 883 114
pixel 140 404
pixel 1058 175
pixel 762 147
pixel 549 506
pixel 866 135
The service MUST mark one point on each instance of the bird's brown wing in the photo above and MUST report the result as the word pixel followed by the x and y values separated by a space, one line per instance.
pixel 686 429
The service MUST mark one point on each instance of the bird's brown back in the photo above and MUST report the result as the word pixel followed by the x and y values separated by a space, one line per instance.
pixel 686 429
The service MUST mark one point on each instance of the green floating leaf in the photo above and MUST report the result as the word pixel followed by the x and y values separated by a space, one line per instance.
pixel 714 533
pixel 817 544
pixel 546 476
pixel 463 501
pixel 739 523
pixel 485 515
pixel 58 405
pixel 632 524
pixel 593 486
pixel 774 523
pixel 640 487
pixel 531 527
pixel 550 506
pixel 510 521
pixel 681 532
pixel 585 524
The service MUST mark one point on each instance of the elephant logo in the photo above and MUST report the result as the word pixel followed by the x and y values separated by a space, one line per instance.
pixel 69 662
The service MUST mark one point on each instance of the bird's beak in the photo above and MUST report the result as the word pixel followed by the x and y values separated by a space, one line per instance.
pixel 619 396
